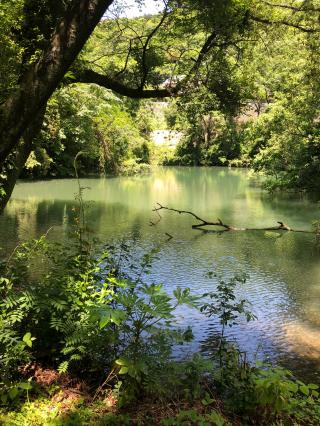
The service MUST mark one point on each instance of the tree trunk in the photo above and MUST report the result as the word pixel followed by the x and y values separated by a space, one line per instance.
pixel 20 157
pixel 42 78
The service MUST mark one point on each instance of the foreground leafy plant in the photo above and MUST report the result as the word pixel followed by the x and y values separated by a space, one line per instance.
pixel 83 312
pixel 262 394
pixel 92 314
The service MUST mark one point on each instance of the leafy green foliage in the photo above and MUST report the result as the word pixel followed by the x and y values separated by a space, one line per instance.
pixel 11 52
pixel 281 137
pixel 226 307
pixel 258 103
pixel 91 317
pixel 92 120
pixel 210 136
pixel 276 392
pixel 101 317
pixel 235 107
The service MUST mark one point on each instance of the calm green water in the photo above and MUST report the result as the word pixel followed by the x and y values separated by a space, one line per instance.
pixel 284 284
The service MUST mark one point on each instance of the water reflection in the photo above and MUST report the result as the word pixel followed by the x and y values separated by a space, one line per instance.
pixel 284 284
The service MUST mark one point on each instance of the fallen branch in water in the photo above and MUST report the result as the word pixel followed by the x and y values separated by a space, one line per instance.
pixel 226 227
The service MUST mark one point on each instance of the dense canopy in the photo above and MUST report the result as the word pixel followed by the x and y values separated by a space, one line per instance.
pixel 219 57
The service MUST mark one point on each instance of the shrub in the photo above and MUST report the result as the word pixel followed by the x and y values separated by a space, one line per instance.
pixel 85 313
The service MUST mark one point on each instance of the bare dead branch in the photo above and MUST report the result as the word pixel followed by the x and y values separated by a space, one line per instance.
pixel 226 227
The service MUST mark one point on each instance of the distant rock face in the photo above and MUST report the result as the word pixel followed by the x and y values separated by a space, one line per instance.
pixel 169 138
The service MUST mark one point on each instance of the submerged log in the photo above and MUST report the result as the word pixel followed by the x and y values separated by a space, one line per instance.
pixel 225 227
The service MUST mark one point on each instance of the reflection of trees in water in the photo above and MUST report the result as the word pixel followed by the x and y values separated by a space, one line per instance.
pixel 32 218
pixel 18 223
pixel 27 219
pixel 209 189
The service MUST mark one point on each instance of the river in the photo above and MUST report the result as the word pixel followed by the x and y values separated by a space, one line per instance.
pixel 284 269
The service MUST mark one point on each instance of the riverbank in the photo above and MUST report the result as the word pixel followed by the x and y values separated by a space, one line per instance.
pixel 283 282
pixel 88 333
pixel 73 408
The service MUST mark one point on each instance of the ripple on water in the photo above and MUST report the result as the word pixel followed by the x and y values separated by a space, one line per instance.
pixel 284 269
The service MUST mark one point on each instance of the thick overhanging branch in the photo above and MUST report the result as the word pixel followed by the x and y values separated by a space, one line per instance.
pixel 90 76
pixel 224 227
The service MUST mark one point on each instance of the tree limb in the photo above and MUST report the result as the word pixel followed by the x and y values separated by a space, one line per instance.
pixel 226 227
pixel 207 46
pixel 90 76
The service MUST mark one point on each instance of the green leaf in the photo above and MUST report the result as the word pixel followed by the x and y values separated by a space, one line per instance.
pixel 293 387
pixel 123 370
pixel 28 339
pixel 118 316
pixel 304 389
pixel 313 386
pixel 13 392
pixel 122 361
pixel 207 400
pixel 111 315
pixel 104 321
pixel 69 74
pixel 217 419
pixel 63 367
pixel 25 385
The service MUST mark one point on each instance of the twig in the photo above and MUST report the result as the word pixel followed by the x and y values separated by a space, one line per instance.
pixel 158 220
pixel 110 377
pixel 20 244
